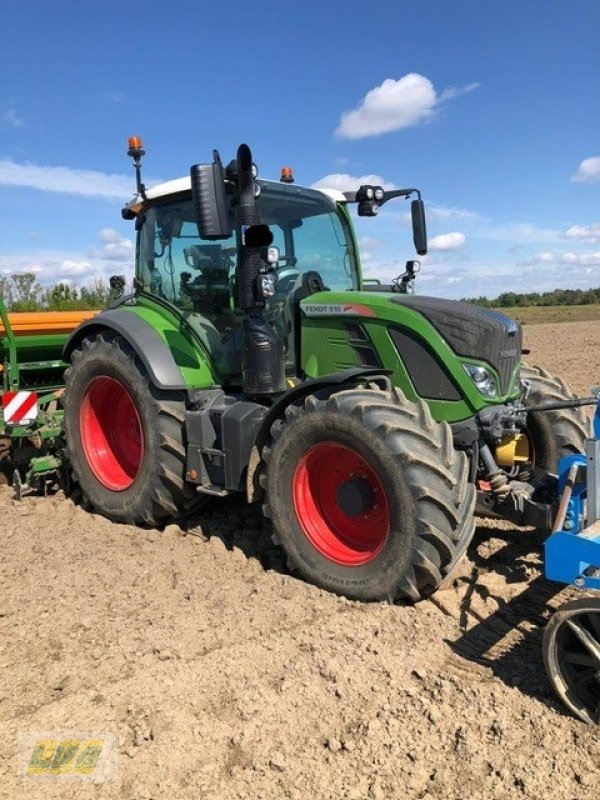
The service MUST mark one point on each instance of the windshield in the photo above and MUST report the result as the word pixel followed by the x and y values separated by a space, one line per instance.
pixel 198 276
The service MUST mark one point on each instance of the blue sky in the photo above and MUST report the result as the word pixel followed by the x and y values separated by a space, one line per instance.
pixel 492 109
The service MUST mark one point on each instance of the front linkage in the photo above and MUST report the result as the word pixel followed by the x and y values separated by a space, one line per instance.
pixel 514 451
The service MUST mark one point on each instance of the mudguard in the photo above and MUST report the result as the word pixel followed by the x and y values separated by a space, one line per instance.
pixel 304 388
pixel 172 364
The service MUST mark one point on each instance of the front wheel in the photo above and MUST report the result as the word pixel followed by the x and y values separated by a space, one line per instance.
pixel 552 434
pixel 125 438
pixel 367 495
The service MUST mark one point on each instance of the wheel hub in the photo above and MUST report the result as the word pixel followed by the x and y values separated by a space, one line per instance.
pixel 341 504
pixel 355 496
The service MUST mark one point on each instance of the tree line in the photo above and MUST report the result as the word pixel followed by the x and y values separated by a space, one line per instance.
pixel 557 297
pixel 23 292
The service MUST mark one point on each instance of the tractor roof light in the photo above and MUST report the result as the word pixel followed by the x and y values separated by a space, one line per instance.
pixel 287 175
pixel 136 151
pixel 136 147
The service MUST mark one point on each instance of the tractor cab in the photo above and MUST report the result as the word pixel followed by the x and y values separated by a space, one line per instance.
pixel 313 249
pixel 190 254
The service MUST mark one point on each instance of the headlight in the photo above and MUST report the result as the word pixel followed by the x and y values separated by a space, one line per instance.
pixel 483 379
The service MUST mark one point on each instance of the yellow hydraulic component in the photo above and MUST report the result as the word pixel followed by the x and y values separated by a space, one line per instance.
pixel 42 322
pixel 513 449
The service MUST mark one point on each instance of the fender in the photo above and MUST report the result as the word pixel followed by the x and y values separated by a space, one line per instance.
pixel 293 395
pixel 153 351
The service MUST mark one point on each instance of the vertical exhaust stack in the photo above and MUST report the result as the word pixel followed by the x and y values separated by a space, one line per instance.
pixel 263 360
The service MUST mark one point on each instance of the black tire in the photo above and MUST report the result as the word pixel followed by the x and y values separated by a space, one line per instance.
pixel 573 667
pixel 553 434
pixel 428 500
pixel 6 467
pixel 158 491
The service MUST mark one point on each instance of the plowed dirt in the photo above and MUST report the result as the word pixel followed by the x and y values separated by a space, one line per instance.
pixel 225 677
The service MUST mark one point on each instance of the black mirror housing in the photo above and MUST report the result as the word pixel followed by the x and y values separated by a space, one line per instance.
pixel 209 200
pixel 417 212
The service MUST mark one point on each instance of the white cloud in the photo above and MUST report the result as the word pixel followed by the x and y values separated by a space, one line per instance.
pixel 12 119
pixel 51 266
pixel 586 233
pixel 394 105
pixel 75 269
pixel 581 259
pixel 447 241
pixel 116 247
pixel 545 257
pixel 84 182
pixel 114 255
pixel 349 183
pixel 550 259
pixel 517 233
pixel 452 91
pixel 588 172
pixel 368 241
pixel 435 212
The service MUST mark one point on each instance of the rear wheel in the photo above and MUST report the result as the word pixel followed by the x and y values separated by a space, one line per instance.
pixel 5 462
pixel 572 657
pixel 367 495
pixel 552 434
pixel 125 438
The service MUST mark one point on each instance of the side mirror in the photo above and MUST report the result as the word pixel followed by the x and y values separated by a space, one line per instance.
pixel 209 200
pixel 417 212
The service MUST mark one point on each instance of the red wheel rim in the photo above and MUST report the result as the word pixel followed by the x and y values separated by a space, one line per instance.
pixel 111 433
pixel 341 504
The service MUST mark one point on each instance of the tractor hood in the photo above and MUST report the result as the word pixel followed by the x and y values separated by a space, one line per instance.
pixel 473 332
pixel 432 347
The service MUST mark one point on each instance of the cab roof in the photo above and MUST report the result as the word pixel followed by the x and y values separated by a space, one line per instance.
pixel 179 185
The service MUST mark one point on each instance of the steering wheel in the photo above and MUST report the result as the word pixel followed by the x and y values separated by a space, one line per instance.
pixel 286 280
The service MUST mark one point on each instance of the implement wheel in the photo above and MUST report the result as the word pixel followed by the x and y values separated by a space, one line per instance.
pixel 572 657
pixel 552 434
pixel 367 495
pixel 125 438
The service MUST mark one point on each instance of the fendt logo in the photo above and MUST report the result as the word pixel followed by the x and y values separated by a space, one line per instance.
pixel 335 309
pixel 68 756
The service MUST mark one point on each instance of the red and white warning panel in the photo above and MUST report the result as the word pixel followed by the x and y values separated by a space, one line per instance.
pixel 19 408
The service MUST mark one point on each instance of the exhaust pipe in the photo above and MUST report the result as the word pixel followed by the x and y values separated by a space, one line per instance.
pixel 263 360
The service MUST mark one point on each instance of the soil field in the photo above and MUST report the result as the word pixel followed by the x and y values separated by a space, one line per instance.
pixel 224 677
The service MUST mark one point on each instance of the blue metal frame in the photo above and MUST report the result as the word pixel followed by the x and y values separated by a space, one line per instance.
pixel 569 555
pixel 571 552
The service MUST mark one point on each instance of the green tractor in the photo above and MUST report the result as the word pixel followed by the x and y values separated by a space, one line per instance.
pixel 254 357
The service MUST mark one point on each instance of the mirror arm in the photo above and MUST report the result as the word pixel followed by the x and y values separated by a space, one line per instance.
pixel 350 197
